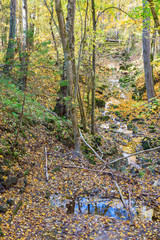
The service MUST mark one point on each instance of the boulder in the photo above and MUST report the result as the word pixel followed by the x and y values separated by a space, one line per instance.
pixel 12 180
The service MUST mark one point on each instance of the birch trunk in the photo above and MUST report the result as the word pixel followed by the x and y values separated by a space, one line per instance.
pixel 24 53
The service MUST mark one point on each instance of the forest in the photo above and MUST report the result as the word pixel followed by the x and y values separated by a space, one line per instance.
pixel 80 119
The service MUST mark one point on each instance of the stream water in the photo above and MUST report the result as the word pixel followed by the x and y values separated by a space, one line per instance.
pixel 98 205
pixel 93 205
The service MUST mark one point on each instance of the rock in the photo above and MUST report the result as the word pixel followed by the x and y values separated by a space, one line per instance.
pixel 100 103
pixel 151 127
pixel 156 213
pixel 10 181
pixel 146 214
pixel 114 126
pixel 137 119
pixel 146 143
pixel 3 209
pixel 102 237
pixel 135 130
pixel 104 118
pixel 10 201
pixel 152 130
pixel 130 126
pixel 156 183
pixel 2 189
pixel 1 233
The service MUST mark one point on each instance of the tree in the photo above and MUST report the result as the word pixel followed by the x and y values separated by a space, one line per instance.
pixel 147 52
pixel 24 53
pixel 93 69
pixel 155 15
pixel 67 38
pixel 11 43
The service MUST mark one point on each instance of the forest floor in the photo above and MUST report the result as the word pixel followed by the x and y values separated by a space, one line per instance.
pixel 34 208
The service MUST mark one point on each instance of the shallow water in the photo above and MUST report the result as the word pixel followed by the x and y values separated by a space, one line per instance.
pixel 92 205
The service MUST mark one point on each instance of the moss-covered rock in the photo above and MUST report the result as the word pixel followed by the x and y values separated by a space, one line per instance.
pixel 104 118
pixel 100 103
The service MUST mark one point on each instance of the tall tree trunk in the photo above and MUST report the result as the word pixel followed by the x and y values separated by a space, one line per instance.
pixel 93 69
pixel 11 42
pixel 155 15
pixel 147 52
pixel 24 53
pixel 31 30
pixel 153 47
pixel 55 42
pixel 67 37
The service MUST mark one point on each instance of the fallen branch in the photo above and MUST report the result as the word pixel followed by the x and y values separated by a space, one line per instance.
pixel 91 148
pixel 17 207
pixel 45 152
pixel 52 158
pixel 120 193
pixel 129 204
pixel 92 170
pixel 132 154
pixel 83 168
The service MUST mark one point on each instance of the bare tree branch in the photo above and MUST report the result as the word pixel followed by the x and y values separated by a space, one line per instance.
pixel 117 8
pixel 91 148
pixel 148 150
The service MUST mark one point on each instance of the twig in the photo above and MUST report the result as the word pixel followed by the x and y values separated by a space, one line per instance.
pixel 83 168
pixel 100 151
pixel 132 154
pixel 45 152
pixel 91 148
pixel 120 193
pixel 112 7
pixel 92 170
pixel 17 207
pixel 52 158
pixel 129 204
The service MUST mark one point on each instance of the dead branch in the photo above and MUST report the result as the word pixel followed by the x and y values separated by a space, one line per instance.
pixel 83 168
pixel 129 204
pixel 120 193
pixel 45 152
pixel 15 210
pixel 132 154
pixel 117 8
pixel 91 148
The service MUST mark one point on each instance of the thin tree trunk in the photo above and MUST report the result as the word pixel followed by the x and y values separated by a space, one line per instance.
pixel 55 42
pixel 67 37
pixel 147 52
pixel 93 69
pixel 31 31
pixel 24 53
pixel 153 48
pixel 11 42
pixel 155 15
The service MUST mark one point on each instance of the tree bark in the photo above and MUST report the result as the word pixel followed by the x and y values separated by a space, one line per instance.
pixel 147 52
pixel 155 15
pixel 67 38
pixel 24 53
pixel 11 42
pixel 93 69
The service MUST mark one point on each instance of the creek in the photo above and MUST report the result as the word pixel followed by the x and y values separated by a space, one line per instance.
pixel 99 204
